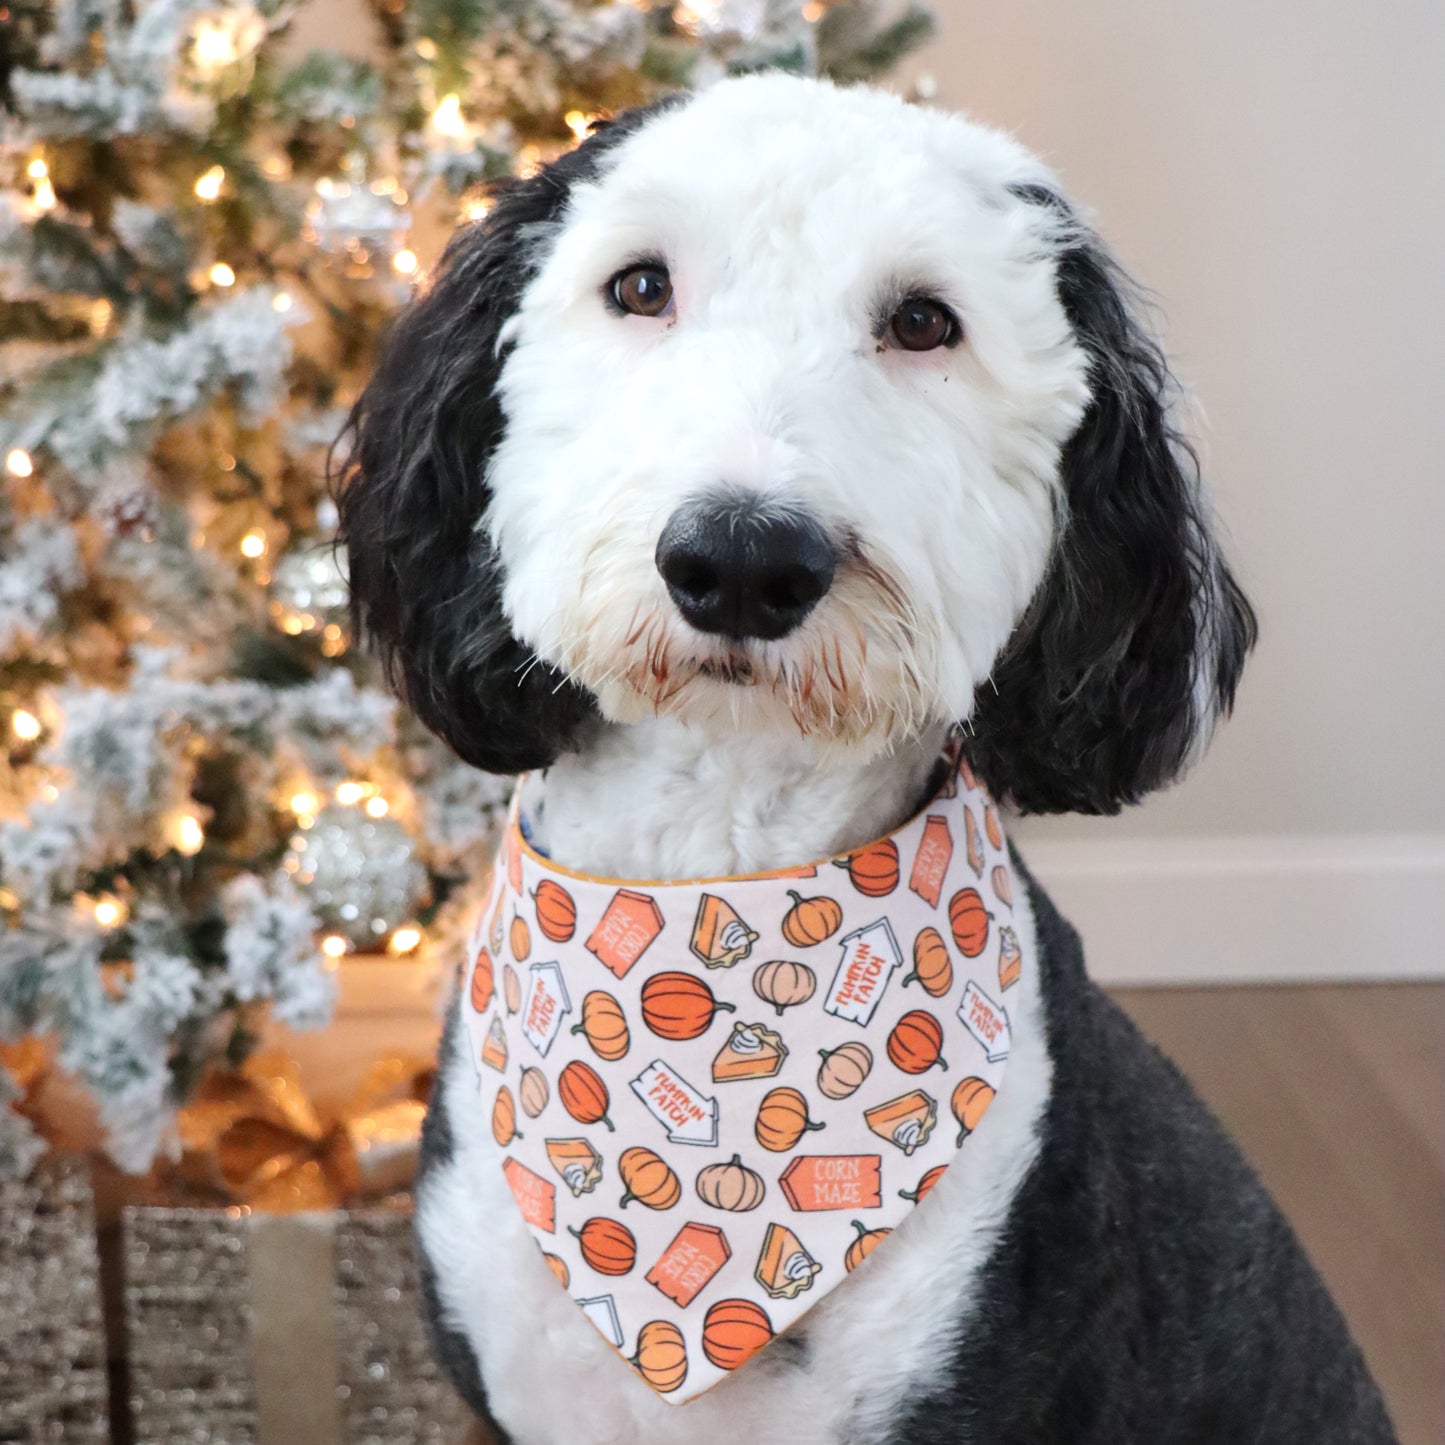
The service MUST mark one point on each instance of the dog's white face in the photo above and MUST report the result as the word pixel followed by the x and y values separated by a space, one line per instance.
pixel 780 226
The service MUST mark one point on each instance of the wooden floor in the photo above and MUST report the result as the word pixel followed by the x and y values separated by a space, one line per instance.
pixel 1337 1096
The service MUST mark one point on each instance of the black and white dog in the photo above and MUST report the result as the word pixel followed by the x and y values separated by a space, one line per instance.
pixel 866 361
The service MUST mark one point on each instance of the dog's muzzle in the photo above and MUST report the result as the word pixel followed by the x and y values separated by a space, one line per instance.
pixel 740 566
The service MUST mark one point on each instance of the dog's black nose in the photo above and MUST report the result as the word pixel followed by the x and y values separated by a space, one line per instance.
pixel 744 567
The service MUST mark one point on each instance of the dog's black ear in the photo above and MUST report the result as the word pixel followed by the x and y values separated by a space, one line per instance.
pixel 411 480
pixel 1136 639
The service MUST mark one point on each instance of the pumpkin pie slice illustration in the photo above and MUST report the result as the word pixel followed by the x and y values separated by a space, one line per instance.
pixel 784 1269
pixel 906 1121
pixel 753 1051
pixel 494 1047
pixel 579 1164
pixel 719 937
pixel 602 1311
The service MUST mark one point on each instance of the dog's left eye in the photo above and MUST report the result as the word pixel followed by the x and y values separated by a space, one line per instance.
pixel 922 324
pixel 642 290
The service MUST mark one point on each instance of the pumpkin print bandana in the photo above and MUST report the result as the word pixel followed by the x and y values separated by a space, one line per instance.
pixel 715 1099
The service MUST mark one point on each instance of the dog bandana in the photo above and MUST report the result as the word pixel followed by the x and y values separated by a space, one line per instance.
pixel 714 1100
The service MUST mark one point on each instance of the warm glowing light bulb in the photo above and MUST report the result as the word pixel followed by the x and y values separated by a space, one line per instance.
pixel 281 301
pixel 350 793
pixel 476 210
pixel 404 262
pixel 215 45
pixel 37 170
pixel 222 275
pixel 577 123
pixel 404 940
pixel 377 807
pixel 447 118
pixel 44 196
pixel 18 463
pixel 253 544
pixel 25 725
pixel 304 802
pixel 208 186
pixel 188 835
pixel 109 911
pixel 333 945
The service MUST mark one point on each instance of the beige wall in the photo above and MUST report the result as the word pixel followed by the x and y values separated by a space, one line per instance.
pixel 1276 173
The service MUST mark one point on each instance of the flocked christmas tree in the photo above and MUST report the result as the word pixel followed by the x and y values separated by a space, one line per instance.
pixel 208 799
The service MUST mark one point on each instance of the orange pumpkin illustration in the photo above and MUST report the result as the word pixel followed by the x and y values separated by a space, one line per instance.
pixel 968 920
pixel 556 912
pixel 932 966
pixel 867 1241
pixel 511 988
pixel 605 1026
pixel 731 1186
pixel 873 870
pixel 647 1179
pixel 583 1094
pixel 843 1069
pixel 519 936
pixel 607 1246
pixel 678 1006
pixel 483 982
pixel 782 1120
pixel 733 1331
pixel 925 1185
pixel 504 1117
pixel 558 1266
pixel 784 984
pixel 991 827
pixel 661 1357
pixel 970 1102
pixel 973 842
pixel 533 1092
pixel 1001 885
pixel 811 920
pixel 916 1042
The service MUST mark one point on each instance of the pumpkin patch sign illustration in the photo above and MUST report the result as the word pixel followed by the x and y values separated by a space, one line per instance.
pixel 715 1101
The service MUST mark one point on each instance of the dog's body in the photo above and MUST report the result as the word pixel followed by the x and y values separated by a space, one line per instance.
pixel 858 441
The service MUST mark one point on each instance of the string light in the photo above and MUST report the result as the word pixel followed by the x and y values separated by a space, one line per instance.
pixel 37 170
pixel 447 118
pixel 305 802
pixel 44 196
pixel 281 301
pixel 25 725
pixel 208 186
pixel 333 945
pixel 222 275
pixel 404 262
pixel 350 792
pixel 215 45
pixel 186 834
pixel 426 48
pixel 404 940
pixel 377 807
pixel 18 463
pixel 253 545
pixel 577 123
pixel 110 912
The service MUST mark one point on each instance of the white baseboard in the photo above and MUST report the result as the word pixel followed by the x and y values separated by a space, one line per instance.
pixel 1251 910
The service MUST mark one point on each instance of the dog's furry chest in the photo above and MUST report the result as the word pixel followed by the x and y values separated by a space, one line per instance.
pixel 853 1366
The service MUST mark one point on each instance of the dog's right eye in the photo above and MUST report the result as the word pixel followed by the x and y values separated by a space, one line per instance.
pixel 642 290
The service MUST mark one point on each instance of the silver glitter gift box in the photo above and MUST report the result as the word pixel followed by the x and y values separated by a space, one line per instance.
pixel 52 1339
pixel 254 1329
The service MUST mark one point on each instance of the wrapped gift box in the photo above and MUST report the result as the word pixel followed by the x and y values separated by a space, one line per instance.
pixel 53 1384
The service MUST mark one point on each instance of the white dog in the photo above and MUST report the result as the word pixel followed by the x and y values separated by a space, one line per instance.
pixel 733 462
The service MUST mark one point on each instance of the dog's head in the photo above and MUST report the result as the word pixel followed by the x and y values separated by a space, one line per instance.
pixel 785 407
